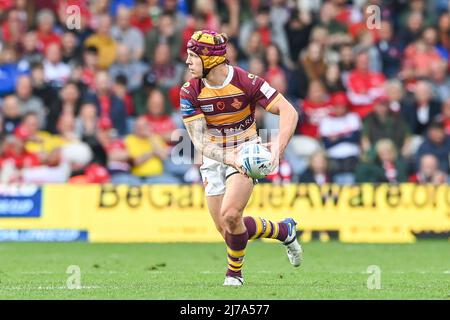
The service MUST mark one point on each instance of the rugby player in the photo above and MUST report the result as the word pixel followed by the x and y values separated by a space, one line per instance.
pixel 218 107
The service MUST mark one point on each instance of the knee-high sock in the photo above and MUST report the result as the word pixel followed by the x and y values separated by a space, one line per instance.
pixel 261 228
pixel 236 244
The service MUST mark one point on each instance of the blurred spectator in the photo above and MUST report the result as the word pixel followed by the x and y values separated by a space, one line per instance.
pixel 120 90
pixel 429 171
pixel 313 62
pixel 133 70
pixel 86 126
pixel 15 157
pixel 147 153
pixel 367 43
pixel 364 86
pixel 314 109
pixel 27 101
pixel 274 64
pixel 90 66
pixel 70 49
pixel 45 33
pixel 298 29
pixel 317 171
pixel 332 79
pixel 167 71
pixel 30 52
pixel 37 141
pixel 384 124
pixel 268 33
pixel 440 80
pixel 11 114
pixel 108 104
pixel 127 35
pixel 421 54
pixel 165 32
pixel 159 122
pixel 422 110
pixel 253 47
pixel 446 116
pixel 413 29
pixel 340 132
pixel 444 32
pixel 346 61
pixel 327 18
pixel 117 156
pixel 101 39
pixel 206 8
pixel 13 28
pixel 10 70
pixel 67 102
pixel 436 143
pixel 140 17
pixel 384 166
pixel 390 50
pixel 55 70
pixel 396 95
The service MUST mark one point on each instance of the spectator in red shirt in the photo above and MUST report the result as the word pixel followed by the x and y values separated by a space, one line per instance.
pixel 14 149
pixel 118 158
pixel 421 54
pixel 90 66
pixel 314 109
pixel 46 36
pixel 141 18
pixel 13 28
pixel 159 122
pixel 274 63
pixel 364 86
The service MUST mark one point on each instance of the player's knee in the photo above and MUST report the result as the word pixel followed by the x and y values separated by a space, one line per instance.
pixel 232 218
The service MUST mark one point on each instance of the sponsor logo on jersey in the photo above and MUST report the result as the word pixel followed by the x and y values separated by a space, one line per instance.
pixel 185 90
pixel 220 105
pixel 267 90
pixel 236 103
pixel 186 84
pixel 186 108
pixel 207 108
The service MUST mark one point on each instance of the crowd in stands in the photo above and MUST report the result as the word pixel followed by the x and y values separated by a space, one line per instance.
pixel 96 99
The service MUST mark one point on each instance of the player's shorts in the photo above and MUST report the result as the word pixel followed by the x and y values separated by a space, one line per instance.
pixel 214 176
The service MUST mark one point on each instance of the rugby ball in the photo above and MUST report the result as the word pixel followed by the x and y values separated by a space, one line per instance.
pixel 255 159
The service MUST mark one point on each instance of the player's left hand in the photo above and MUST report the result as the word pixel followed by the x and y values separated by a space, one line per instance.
pixel 234 160
pixel 276 154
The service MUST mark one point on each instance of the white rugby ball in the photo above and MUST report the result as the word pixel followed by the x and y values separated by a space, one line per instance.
pixel 255 159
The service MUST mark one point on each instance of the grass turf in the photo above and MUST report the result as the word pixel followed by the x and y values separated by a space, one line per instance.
pixel 196 271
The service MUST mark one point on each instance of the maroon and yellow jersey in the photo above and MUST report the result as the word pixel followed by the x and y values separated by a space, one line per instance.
pixel 229 110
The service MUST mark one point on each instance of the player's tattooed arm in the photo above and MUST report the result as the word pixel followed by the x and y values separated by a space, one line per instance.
pixel 197 130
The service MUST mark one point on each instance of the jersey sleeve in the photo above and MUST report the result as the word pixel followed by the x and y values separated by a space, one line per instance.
pixel 261 92
pixel 189 107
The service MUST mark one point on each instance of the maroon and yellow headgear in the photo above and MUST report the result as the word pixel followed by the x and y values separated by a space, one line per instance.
pixel 210 46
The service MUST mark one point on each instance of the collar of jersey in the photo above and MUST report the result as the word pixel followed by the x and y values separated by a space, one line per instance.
pixel 225 83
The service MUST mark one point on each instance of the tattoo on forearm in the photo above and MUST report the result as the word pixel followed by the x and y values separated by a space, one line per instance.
pixel 197 130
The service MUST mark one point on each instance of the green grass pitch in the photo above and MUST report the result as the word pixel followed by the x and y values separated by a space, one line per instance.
pixel 330 270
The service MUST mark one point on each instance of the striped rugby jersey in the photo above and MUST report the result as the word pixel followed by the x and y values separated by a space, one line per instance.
pixel 229 110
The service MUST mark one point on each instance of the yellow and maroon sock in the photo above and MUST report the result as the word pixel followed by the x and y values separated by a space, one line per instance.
pixel 258 228
pixel 236 244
